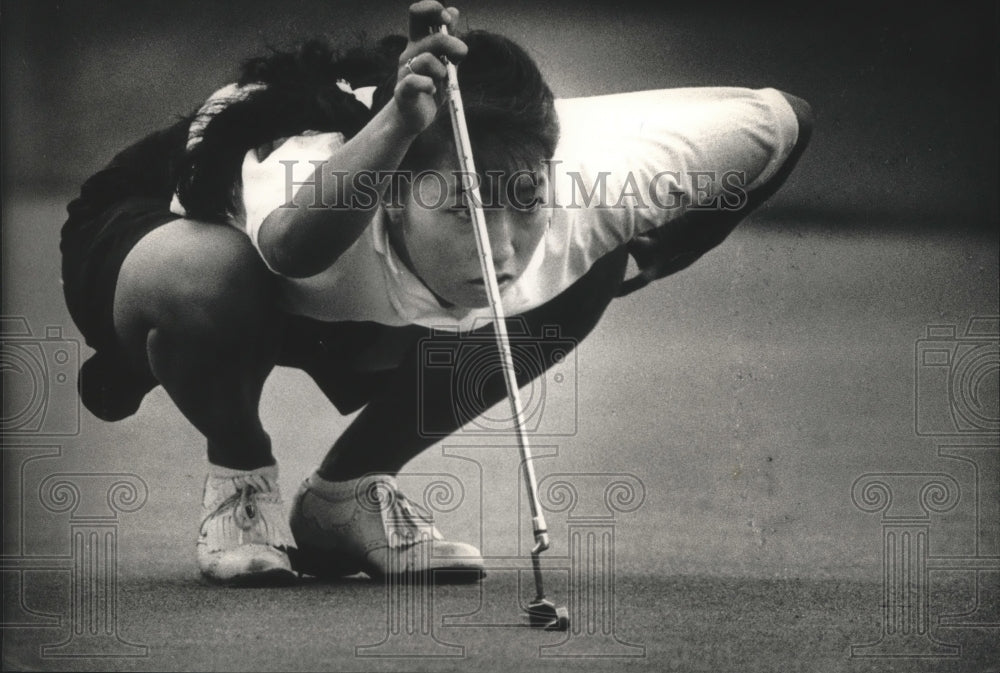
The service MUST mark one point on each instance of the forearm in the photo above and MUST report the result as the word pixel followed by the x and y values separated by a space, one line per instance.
pixel 305 236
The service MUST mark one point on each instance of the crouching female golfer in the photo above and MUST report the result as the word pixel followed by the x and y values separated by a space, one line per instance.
pixel 311 215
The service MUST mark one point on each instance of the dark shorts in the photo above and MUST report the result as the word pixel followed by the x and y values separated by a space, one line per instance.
pixel 117 206
pixel 349 361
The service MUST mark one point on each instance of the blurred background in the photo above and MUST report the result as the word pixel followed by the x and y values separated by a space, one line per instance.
pixel 888 224
pixel 905 93
pixel 747 393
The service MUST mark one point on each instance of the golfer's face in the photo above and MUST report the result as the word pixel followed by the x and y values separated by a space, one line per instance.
pixel 440 241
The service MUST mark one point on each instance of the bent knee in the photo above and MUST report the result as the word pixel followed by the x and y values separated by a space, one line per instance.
pixel 804 115
pixel 193 275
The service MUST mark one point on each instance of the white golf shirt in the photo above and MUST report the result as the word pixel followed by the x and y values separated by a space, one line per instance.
pixel 621 165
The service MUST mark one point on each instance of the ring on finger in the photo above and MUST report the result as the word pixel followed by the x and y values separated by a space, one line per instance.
pixel 409 66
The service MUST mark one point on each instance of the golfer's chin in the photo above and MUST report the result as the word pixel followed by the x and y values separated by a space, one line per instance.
pixel 469 295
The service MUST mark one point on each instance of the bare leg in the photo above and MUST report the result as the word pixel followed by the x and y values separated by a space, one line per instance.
pixel 386 434
pixel 194 305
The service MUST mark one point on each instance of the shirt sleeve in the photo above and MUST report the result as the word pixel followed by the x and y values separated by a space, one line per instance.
pixel 271 176
pixel 644 158
pixel 270 182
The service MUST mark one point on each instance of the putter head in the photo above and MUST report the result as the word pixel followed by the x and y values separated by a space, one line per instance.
pixel 543 614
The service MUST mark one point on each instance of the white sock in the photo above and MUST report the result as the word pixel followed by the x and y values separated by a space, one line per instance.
pixel 339 490
pixel 269 472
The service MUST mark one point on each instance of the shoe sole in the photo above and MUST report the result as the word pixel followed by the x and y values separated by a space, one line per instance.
pixel 317 563
pixel 276 577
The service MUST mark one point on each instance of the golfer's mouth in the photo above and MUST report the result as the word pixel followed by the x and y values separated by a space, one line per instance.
pixel 502 280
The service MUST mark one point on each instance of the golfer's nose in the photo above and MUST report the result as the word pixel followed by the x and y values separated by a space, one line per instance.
pixel 501 229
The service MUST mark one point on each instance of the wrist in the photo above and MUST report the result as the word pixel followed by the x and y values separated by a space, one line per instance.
pixel 393 125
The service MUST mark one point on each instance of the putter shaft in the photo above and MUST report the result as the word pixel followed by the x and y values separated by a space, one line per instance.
pixel 470 177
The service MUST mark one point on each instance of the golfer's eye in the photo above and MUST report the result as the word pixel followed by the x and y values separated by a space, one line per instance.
pixel 459 207
pixel 526 200
pixel 525 193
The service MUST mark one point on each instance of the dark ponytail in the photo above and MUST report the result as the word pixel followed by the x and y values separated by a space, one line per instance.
pixel 300 93
pixel 509 108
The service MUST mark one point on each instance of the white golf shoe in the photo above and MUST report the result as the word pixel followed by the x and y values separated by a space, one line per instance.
pixel 244 537
pixel 368 525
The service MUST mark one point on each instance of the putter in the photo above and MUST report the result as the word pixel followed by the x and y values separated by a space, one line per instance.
pixel 542 613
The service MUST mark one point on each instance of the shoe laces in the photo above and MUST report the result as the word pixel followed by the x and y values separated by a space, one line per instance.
pixel 242 503
pixel 413 511
pixel 246 508
pixel 406 522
